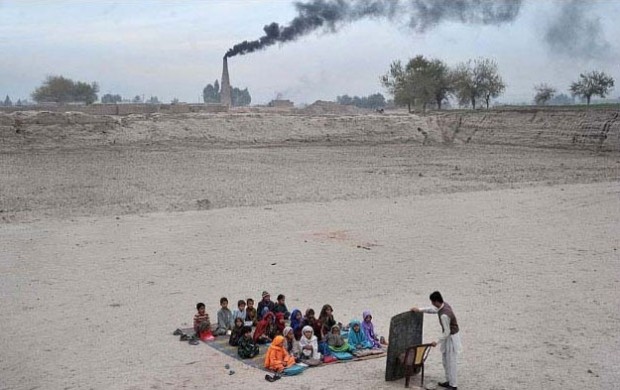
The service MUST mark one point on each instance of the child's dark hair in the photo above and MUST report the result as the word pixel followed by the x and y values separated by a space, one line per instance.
pixel 281 296
pixel 247 329
pixel 436 297
pixel 309 312
pixel 324 311
pixel 199 305
pixel 240 302
pixel 249 300
pixel 223 299
pixel 240 319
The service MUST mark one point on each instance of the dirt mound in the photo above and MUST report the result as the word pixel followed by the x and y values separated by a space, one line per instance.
pixel 321 107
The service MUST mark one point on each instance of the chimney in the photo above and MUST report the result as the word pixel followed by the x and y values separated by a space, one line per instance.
pixel 225 90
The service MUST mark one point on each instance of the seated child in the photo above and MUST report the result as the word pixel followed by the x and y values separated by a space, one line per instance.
pixel 309 344
pixel 336 342
pixel 292 345
pixel 310 320
pixel 369 330
pixel 277 359
pixel 247 348
pixel 265 305
pixel 237 332
pixel 251 314
pixel 326 319
pixel 225 321
pixel 240 311
pixel 357 338
pixel 280 323
pixel 202 325
pixel 266 329
pixel 280 307
pixel 297 323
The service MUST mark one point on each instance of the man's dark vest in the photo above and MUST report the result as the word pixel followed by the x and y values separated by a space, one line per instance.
pixel 447 310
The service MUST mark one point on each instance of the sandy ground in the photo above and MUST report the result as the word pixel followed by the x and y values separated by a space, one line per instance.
pixel 105 251
pixel 533 275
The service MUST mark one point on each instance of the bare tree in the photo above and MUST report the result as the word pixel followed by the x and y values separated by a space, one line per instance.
pixel 544 93
pixel 477 79
pixel 592 84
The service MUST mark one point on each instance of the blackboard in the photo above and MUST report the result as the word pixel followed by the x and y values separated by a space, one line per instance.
pixel 405 331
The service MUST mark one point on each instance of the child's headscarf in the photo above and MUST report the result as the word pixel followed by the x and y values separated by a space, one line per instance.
pixel 305 329
pixel 280 324
pixel 369 329
pixel 357 338
pixel 295 323
pixel 278 341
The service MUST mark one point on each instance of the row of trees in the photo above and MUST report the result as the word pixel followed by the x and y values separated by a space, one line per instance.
pixel 373 101
pixel 58 89
pixel 425 81
pixel 240 97
pixel 590 84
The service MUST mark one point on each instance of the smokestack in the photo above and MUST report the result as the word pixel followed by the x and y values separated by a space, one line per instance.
pixel 225 90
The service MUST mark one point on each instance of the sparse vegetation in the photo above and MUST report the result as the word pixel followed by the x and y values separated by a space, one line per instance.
pixel 373 101
pixel 592 84
pixel 430 81
pixel 544 93
pixel 239 97
pixel 59 89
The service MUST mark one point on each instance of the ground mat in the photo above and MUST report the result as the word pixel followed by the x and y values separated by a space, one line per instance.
pixel 221 344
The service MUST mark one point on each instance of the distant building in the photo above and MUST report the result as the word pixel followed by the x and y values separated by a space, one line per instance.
pixel 281 103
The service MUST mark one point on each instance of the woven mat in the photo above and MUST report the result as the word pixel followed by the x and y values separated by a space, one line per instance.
pixel 221 344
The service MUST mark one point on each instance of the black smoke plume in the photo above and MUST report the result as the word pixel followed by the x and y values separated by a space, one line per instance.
pixel 574 32
pixel 420 14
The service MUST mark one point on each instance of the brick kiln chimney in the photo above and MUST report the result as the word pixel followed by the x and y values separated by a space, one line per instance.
pixel 225 90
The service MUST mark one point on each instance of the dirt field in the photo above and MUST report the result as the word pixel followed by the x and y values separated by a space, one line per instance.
pixel 113 228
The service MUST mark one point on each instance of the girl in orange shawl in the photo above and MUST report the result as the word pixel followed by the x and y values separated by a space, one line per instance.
pixel 277 359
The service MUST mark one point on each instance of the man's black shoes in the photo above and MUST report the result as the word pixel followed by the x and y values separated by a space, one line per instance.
pixel 446 385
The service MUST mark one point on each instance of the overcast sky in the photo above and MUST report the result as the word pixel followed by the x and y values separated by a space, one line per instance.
pixel 173 49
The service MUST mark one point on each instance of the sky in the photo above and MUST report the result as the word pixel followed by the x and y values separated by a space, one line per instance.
pixel 173 49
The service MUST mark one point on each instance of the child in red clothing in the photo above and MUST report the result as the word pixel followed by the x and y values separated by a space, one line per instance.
pixel 202 325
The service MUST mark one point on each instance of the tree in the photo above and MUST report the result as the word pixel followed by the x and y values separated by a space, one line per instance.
pixel 211 93
pixel 153 100
pixel 83 92
pixel 373 101
pixel 492 84
pixel 62 90
pixel 477 79
pixel 7 102
pixel 109 98
pixel 592 84
pixel 562 100
pixel 240 97
pixel 137 99
pixel 544 93
pixel 421 81
pixel 19 103
pixel 399 84
pixel 174 101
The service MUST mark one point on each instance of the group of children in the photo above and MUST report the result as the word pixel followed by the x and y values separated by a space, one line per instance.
pixel 305 339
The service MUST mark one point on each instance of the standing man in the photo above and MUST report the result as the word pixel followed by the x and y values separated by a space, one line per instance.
pixel 450 340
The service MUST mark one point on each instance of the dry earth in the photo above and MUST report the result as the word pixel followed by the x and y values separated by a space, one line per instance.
pixel 113 228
